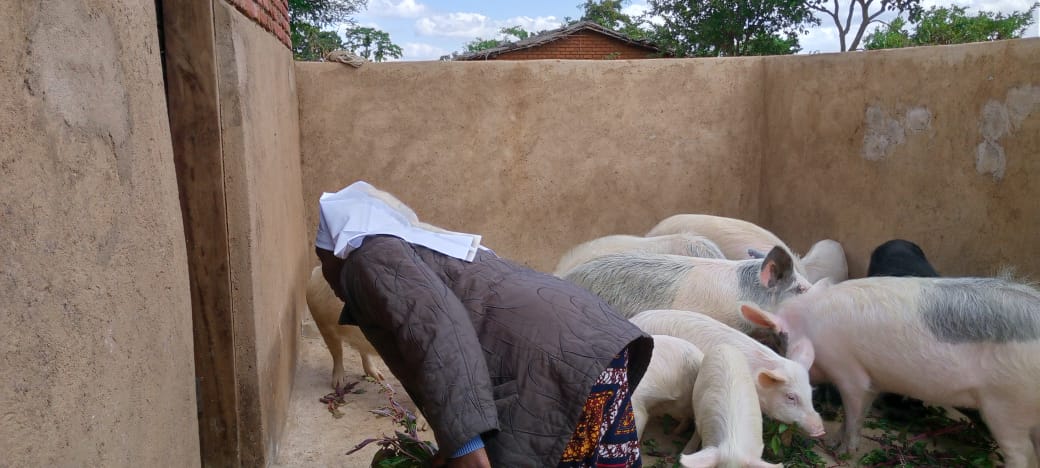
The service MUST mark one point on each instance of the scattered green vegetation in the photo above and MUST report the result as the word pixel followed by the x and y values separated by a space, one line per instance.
pixel 929 439
pixel 907 433
pixel 785 444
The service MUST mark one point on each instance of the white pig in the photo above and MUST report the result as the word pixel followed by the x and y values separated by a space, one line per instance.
pixel 676 244
pixel 325 308
pixel 826 259
pixel 737 238
pixel 729 423
pixel 783 385
pixel 667 385
pixel 964 342
pixel 634 282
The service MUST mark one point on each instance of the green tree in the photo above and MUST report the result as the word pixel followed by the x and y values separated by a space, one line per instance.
pixel 370 43
pixel 510 34
pixel 307 18
pixel 607 13
pixel 310 41
pixel 517 32
pixel 869 12
pixel 479 44
pixel 714 28
pixel 951 25
pixel 324 13
pixel 893 36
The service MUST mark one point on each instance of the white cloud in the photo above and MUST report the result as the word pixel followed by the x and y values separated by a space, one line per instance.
pixel 467 25
pixel 422 51
pixel 396 9
pixel 539 23
pixel 473 25
pixel 638 10
pixel 635 9
pixel 823 38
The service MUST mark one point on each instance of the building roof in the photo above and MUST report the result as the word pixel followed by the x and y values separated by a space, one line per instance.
pixel 555 35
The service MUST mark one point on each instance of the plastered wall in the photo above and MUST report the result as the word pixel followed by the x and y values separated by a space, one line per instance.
pixel 537 155
pixel 95 313
pixel 937 145
pixel 940 145
pixel 266 234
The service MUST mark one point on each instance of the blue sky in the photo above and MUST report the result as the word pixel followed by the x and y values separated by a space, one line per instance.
pixel 428 29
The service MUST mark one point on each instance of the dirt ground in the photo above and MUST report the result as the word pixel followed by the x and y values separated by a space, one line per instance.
pixel 314 438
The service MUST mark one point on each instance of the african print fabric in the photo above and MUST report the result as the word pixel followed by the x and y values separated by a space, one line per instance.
pixel 606 433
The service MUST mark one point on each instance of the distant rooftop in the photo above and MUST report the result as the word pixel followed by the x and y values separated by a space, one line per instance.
pixel 555 35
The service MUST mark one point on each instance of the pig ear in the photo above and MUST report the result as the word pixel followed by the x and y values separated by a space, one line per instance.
pixel 802 352
pixel 777 269
pixel 755 253
pixel 821 284
pixel 706 458
pixel 769 378
pixel 762 318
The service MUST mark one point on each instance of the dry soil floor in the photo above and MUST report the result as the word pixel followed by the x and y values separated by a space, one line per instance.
pixel 313 437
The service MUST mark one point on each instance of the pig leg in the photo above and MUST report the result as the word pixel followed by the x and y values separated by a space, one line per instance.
pixel 335 345
pixel 1012 436
pixel 1036 441
pixel 641 417
pixel 369 366
pixel 693 444
pixel 857 400
pixel 681 426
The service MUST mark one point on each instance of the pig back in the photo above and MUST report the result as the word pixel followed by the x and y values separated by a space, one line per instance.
pixel 940 339
pixel 725 400
pixel 675 244
pixel 703 331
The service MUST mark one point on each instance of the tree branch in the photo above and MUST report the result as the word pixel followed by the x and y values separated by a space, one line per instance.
pixel 852 4
pixel 862 25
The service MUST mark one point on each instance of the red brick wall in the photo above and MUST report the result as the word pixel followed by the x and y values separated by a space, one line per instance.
pixel 272 15
pixel 583 45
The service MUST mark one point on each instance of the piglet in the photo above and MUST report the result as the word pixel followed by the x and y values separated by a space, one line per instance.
pixel 899 257
pixel 634 282
pixel 676 244
pixel 325 308
pixel 966 342
pixel 826 260
pixel 667 385
pixel 782 385
pixel 738 239
pixel 729 423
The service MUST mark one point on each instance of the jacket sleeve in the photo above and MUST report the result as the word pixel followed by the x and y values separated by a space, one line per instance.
pixel 425 336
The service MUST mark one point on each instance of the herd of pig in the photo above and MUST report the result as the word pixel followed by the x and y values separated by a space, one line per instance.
pixel 737 316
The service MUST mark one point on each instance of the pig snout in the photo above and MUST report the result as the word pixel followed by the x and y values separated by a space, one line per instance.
pixel 813 426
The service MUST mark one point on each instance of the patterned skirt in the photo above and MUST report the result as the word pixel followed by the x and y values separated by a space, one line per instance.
pixel 606 433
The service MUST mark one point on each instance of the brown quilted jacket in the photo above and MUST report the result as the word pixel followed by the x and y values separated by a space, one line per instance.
pixel 487 347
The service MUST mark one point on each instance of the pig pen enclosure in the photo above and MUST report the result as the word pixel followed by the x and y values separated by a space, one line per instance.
pixel 937 145
pixel 185 150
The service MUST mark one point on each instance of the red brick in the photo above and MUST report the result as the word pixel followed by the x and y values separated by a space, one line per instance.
pixel 272 15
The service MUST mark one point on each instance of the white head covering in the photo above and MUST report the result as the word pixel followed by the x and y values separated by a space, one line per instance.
pixel 359 210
